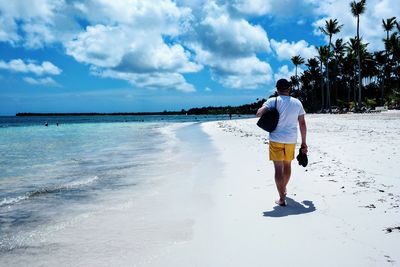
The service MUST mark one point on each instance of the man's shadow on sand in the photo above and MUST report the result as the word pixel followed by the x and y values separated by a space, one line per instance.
pixel 293 208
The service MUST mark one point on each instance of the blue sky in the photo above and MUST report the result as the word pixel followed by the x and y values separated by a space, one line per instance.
pixel 131 55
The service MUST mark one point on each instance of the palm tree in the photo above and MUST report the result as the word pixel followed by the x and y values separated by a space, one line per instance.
pixel 312 64
pixel 331 28
pixel 380 58
pixel 313 72
pixel 323 56
pixel 348 72
pixel 358 8
pixel 295 83
pixel 297 60
pixel 388 26
pixel 338 49
pixel 356 49
pixel 393 45
pixel 338 53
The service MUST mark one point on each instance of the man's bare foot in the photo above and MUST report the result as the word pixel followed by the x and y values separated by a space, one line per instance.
pixel 281 203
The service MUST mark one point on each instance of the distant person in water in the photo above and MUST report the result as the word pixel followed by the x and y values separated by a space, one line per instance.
pixel 46 124
pixel 282 141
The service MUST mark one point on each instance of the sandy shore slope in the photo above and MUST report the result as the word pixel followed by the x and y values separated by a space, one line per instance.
pixel 343 208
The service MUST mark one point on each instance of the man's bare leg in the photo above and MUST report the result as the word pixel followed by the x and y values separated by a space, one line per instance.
pixel 287 171
pixel 279 181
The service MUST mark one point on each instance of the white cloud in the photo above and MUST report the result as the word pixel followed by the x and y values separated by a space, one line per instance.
pixel 284 9
pixel 47 81
pixel 128 42
pixel 208 89
pixel 386 9
pixel 43 9
pixel 36 35
pixel 229 47
pixel 137 40
pixel 8 30
pixel 162 16
pixel 233 37
pixel 32 24
pixel 157 56
pixel 174 81
pixel 285 73
pixel 99 45
pixel 18 65
pixel 230 36
pixel 285 50
pixel 255 7
pixel 38 23
pixel 241 73
pixel 134 47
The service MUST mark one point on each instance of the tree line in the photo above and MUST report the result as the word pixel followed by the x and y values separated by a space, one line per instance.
pixel 345 74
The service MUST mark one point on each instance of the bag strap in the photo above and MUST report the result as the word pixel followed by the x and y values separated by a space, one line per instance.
pixel 276 102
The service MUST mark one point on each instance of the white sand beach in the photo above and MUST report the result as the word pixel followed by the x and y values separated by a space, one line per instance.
pixel 215 207
pixel 343 208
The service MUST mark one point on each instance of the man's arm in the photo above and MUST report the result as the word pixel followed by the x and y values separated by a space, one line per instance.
pixel 303 132
pixel 261 111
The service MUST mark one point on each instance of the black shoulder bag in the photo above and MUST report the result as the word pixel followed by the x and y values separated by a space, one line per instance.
pixel 269 120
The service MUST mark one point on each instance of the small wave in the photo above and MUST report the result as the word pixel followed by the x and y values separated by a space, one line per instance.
pixel 12 200
pixel 48 190
pixel 82 182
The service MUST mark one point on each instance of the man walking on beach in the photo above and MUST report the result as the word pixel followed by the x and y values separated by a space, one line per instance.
pixel 282 141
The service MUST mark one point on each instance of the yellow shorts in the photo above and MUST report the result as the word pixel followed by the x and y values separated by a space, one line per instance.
pixel 279 151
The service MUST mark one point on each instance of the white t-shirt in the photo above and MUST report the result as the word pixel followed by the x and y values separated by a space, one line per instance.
pixel 289 109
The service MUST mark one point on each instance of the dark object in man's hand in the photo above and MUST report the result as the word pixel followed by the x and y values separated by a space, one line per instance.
pixel 302 158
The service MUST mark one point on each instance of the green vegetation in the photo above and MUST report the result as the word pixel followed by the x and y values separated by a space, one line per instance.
pixel 346 74
pixel 243 109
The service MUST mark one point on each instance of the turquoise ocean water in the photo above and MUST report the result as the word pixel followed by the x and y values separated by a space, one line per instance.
pixel 50 173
